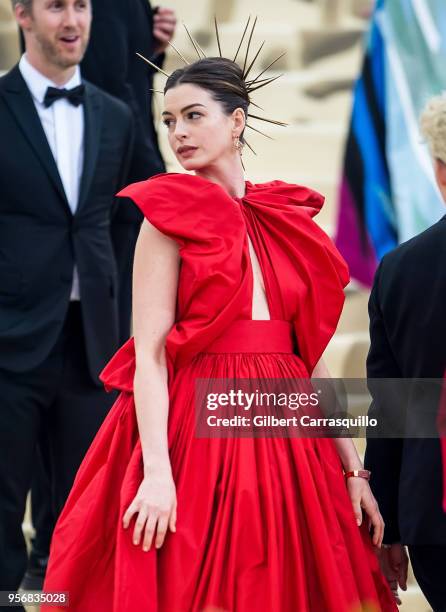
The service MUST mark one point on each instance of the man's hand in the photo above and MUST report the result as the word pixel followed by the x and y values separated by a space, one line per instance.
pixel 164 22
pixel 394 564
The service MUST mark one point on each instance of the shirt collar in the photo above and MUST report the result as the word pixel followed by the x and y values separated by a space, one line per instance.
pixel 38 83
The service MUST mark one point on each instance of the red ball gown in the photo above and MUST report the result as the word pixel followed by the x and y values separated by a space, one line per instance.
pixel 264 524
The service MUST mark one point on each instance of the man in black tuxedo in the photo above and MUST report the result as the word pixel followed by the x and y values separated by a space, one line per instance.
pixel 64 153
pixel 120 29
pixel 408 340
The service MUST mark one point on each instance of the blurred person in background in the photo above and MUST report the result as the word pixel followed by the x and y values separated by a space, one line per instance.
pixel 408 340
pixel 64 153
pixel 121 29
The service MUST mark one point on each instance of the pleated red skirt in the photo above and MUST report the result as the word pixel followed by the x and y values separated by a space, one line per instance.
pixel 264 524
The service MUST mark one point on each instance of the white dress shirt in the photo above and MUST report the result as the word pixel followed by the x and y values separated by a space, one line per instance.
pixel 63 124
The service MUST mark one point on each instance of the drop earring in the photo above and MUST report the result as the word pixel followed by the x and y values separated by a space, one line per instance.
pixel 238 145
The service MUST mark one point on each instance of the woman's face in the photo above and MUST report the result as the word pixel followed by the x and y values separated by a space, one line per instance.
pixel 200 133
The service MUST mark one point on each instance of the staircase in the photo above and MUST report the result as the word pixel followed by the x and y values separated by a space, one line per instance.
pixel 9 40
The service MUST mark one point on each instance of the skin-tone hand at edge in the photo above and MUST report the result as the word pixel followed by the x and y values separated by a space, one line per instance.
pixel 164 23
pixel 394 563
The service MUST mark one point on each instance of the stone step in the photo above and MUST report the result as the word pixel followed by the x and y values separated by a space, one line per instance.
pixel 413 600
pixel 287 101
pixel 305 149
pixel 354 316
pixel 195 14
pixel 334 72
pixel 319 42
pixel 279 38
pixel 321 12
pixel 287 11
pixel 346 354
pixel 9 45
pixel 302 41
pixel 361 8
pixel 316 13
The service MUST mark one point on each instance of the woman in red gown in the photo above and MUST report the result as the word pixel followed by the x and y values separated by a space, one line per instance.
pixel 228 277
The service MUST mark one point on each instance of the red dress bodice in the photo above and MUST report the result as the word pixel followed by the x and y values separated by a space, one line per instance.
pixel 303 272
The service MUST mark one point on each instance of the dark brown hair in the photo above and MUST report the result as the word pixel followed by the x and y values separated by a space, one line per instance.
pixel 222 77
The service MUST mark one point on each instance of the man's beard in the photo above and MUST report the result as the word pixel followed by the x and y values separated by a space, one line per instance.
pixel 52 54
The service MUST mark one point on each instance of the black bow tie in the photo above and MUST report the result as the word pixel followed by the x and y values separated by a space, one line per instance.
pixel 75 96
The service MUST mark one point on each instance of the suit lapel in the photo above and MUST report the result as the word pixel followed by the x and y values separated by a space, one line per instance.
pixel 21 105
pixel 92 133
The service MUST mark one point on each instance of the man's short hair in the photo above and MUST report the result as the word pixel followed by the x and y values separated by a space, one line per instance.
pixel 26 3
pixel 433 126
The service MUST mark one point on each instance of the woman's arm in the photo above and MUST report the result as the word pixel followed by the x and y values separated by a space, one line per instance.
pixel 155 282
pixel 346 449
pixel 358 488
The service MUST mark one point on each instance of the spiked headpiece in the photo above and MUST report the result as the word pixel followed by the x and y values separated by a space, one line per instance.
pixel 251 84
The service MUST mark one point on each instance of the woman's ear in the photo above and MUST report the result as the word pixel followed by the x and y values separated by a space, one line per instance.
pixel 239 120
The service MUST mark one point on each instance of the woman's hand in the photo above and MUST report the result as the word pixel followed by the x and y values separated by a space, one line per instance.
pixel 362 499
pixel 155 506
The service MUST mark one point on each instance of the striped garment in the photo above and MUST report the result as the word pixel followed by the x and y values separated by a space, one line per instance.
pixel 388 192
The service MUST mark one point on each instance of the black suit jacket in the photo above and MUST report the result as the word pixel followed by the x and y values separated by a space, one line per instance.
pixel 40 238
pixel 120 28
pixel 407 311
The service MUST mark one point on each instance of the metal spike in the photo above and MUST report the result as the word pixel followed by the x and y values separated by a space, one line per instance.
pixel 249 146
pixel 241 40
pixel 256 130
pixel 153 65
pixel 269 66
pixel 180 54
pixel 200 49
pixel 254 80
pixel 267 82
pixel 217 35
pixel 249 44
pixel 195 44
pixel 251 89
pixel 256 105
pixel 282 123
pixel 252 63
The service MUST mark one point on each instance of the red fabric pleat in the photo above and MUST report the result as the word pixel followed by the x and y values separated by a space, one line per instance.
pixel 264 524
